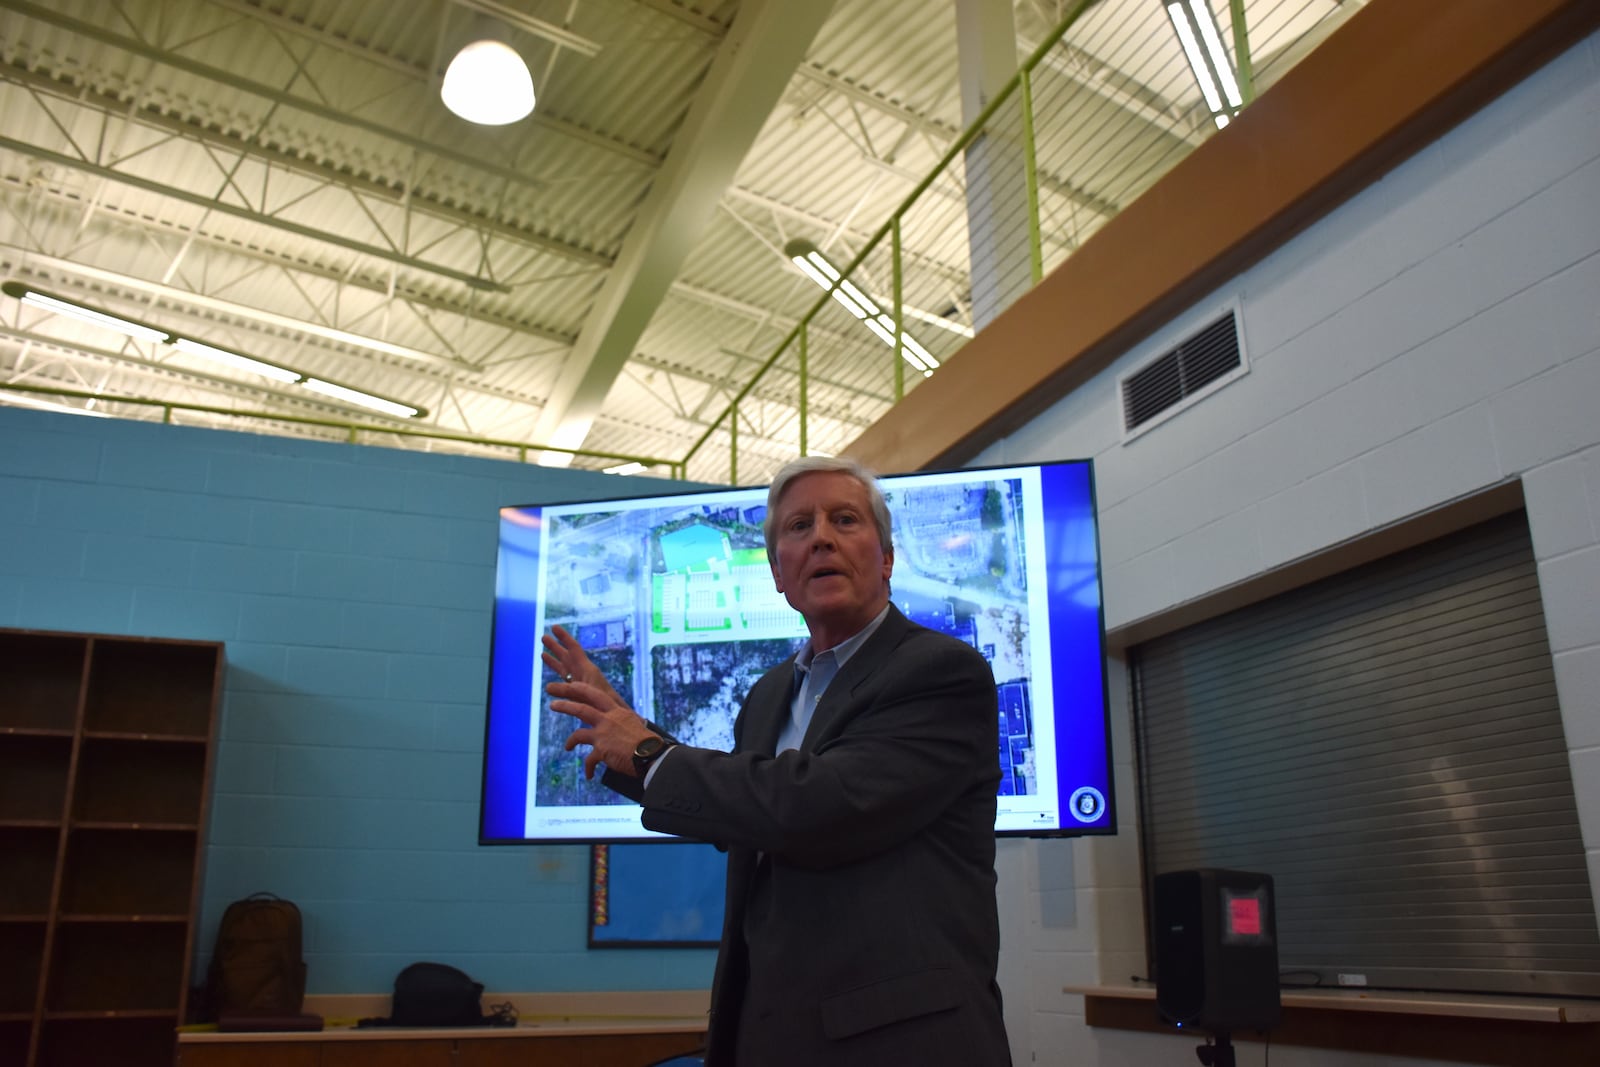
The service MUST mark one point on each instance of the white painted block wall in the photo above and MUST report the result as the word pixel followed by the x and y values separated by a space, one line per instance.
pixel 1437 335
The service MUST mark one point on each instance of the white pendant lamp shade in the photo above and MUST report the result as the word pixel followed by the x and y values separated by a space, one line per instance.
pixel 488 83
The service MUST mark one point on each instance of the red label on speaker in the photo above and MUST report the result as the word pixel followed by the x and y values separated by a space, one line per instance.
pixel 1244 917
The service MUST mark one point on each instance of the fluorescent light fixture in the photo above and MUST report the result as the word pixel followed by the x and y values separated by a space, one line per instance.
pixel 236 361
pixel 1219 57
pixel 183 298
pixel 356 396
pixel 82 313
pixel 48 405
pixel 821 262
pixel 915 354
pixel 625 469
pixel 488 83
pixel 1197 62
pixel 1213 70
pixel 199 348
pixel 843 299
pixel 885 334
pixel 847 286
pixel 826 275
pixel 883 326
pixel 814 265
pixel 811 271
pixel 921 353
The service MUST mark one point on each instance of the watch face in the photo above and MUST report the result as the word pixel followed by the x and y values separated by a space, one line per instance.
pixel 648 747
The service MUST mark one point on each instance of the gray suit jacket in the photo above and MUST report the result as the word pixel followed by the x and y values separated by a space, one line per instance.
pixel 861 925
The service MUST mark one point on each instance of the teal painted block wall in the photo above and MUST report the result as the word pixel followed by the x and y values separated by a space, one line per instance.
pixel 352 587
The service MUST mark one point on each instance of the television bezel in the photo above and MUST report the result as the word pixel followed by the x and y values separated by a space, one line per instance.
pixel 677 489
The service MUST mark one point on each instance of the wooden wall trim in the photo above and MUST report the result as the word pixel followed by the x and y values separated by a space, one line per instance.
pixel 1494 1042
pixel 685 1005
pixel 1389 81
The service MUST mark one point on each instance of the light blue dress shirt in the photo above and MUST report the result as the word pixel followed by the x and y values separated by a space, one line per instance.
pixel 813 671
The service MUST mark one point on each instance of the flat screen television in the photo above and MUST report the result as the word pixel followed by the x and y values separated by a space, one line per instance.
pixel 672 596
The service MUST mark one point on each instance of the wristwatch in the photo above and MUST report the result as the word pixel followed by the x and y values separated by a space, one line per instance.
pixel 648 751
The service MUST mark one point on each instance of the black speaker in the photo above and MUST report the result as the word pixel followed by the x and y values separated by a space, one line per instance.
pixel 1216 950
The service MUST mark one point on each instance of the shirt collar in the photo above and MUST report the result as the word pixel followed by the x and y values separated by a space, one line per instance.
pixel 844 649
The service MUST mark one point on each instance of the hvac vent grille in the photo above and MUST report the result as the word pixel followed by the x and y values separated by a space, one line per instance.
pixel 1181 373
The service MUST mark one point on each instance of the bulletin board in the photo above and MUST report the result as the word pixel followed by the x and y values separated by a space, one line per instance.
pixel 657 895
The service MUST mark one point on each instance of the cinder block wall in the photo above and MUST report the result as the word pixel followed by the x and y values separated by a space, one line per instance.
pixel 353 588
pixel 1437 335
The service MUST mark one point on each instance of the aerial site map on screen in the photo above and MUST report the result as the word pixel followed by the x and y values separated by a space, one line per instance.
pixel 673 598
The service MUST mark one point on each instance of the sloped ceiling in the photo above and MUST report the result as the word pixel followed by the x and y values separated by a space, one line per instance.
pixel 278 178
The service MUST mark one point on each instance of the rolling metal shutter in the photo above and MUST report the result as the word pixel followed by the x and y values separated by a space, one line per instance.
pixel 1386 743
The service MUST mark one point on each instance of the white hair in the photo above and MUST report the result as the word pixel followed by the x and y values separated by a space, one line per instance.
pixel 830 464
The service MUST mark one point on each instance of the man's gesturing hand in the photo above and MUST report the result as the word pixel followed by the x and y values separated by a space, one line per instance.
pixel 610 727
pixel 568 661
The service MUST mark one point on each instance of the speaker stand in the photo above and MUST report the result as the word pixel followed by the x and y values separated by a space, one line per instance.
pixel 1219 1053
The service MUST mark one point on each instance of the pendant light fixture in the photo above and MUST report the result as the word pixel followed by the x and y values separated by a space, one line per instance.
pixel 487 83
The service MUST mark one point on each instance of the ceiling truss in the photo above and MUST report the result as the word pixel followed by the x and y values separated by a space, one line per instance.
pixel 281 179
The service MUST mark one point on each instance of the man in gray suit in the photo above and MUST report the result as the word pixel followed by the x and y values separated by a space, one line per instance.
pixel 857 808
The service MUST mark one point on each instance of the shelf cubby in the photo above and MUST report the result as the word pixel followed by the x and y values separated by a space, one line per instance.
pixel 44 679
pixel 122 781
pixel 22 947
pixel 33 777
pixel 27 869
pixel 160 689
pixel 96 883
pixel 116 967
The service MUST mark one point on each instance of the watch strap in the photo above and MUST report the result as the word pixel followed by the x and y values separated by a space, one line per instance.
pixel 643 760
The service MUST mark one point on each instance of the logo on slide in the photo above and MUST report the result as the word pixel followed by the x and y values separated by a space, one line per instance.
pixel 1087 804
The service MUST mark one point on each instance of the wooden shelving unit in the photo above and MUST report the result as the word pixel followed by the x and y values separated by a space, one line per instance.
pixel 105 755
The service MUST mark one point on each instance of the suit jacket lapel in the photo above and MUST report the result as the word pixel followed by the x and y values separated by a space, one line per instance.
pixel 768 712
pixel 857 670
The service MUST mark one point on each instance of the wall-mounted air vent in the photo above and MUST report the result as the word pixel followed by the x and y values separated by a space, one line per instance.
pixel 1181 374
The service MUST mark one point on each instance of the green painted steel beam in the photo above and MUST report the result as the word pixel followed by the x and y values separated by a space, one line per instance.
pixel 1030 175
pixel 899 311
pixel 1241 52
